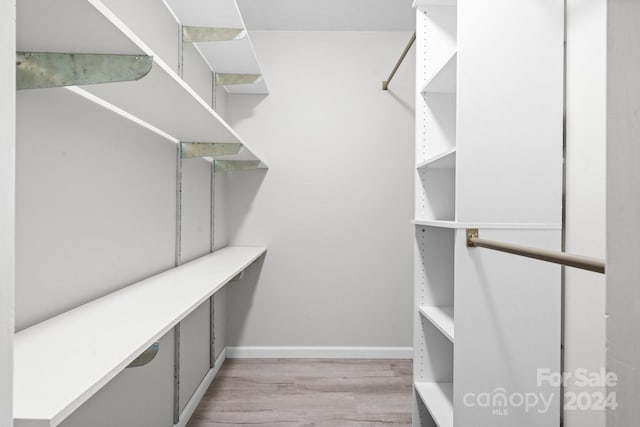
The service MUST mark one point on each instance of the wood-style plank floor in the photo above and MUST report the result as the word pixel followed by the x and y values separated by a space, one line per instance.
pixel 308 392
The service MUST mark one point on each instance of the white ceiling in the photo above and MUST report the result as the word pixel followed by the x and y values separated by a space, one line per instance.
pixel 329 15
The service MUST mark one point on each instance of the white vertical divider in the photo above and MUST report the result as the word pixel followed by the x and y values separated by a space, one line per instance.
pixel 623 209
pixel 7 206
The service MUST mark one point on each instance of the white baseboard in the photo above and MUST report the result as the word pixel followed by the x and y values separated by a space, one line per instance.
pixel 319 352
pixel 191 406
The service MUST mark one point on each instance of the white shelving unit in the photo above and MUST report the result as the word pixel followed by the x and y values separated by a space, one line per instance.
pixel 480 114
pixel 63 361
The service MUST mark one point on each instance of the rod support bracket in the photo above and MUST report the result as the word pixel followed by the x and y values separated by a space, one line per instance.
pixel 472 233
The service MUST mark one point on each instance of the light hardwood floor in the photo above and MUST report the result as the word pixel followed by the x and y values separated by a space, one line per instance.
pixel 308 392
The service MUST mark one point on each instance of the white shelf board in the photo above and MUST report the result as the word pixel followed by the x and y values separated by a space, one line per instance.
pixel 419 3
pixel 161 99
pixel 438 398
pixel 444 160
pixel 63 361
pixel 237 56
pixel 486 225
pixel 441 317
pixel 444 79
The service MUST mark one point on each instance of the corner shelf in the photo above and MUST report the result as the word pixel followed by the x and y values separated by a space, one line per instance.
pixel 441 317
pixel 438 399
pixel 235 57
pixel 63 361
pixel 444 80
pixel 444 160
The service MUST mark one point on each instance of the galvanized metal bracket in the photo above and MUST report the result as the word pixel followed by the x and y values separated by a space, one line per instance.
pixel 147 356
pixel 472 233
pixel 209 149
pixel 230 79
pixel 192 34
pixel 44 69
pixel 232 165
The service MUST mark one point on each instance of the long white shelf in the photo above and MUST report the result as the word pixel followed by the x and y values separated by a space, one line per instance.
pixel 444 160
pixel 161 99
pixel 441 317
pixel 485 225
pixel 418 3
pixel 444 79
pixel 237 56
pixel 438 398
pixel 63 361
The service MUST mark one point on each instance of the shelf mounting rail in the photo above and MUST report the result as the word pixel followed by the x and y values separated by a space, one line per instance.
pixel 585 263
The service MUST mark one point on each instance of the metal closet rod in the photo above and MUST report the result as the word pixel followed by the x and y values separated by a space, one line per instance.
pixel 385 84
pixel 563 258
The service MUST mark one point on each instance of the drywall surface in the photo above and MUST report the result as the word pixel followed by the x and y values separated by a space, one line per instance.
pixel 585 199
pixel 335 205
pixel 623 208
pixel 7 206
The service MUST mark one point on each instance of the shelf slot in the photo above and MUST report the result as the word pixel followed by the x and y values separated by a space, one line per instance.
pixel 445 160
pixel 209 149
pixel 441 318
pixel 42 70
pixel 232 79
pixel 444 80
pixel 191 34
pixel 438 398
pixel 232 165
pixel 146 357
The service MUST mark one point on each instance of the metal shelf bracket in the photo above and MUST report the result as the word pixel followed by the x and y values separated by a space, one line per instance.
pixel 231 165
pixel 147 356
pixel 44 69
pixel 192 34
pixel 230 79
pixel 209 149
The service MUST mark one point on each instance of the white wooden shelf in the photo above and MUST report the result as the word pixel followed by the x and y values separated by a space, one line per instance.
pixel 63 361
pixel 438 398
pixel 485 225
pixel 161 100
pixel 444 79
pixel 419 3
pixel 237 56
pixel 441 317
pixel 444 160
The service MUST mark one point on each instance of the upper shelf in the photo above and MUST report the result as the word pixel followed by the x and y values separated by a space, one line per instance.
pixel 418 3
pixel 161 99
pixel 237 56
pixel 444 79
pixel 63 361
pixel 444 160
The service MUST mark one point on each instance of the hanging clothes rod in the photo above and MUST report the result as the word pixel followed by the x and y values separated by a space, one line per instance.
pixel 577 261
pixel 385 84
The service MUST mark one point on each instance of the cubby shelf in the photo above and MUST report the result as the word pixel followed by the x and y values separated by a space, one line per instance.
pixel 236 56
pixel 161 100
pixel 438 399
pixel 441 317
pixel 61 362
pixel 444 160
pixel 418 3
pixel 444 79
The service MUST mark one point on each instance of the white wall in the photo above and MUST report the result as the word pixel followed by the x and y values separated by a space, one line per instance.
pixel 585 195
pixel 7 206
pixel 335 205
pixel 623 208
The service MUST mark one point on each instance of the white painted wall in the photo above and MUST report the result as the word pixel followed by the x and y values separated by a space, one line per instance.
pixel 7 206
pixel 623 208
pixel 585 292
pixel 335 205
